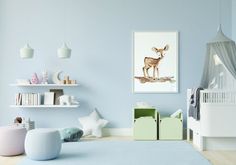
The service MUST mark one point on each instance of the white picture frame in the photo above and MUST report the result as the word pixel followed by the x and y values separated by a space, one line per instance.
pixel 157 50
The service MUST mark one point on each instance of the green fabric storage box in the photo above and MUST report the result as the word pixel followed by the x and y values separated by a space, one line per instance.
pixel 171 128
pixel 145 124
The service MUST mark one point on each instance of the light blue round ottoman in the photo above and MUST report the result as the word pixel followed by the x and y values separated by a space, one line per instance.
pixel 42 144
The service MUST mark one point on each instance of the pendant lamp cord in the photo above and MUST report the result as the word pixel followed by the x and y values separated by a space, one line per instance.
pixel 64 21
pixel 28 21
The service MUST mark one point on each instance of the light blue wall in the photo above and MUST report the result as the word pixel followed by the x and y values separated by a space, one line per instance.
pixel 100 34
pixel 234 20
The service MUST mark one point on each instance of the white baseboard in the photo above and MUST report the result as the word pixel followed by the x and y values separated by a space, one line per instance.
pixel 214 143
pixel 223 143
pixel 117 132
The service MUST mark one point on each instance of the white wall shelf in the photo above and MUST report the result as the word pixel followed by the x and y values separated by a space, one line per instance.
pixel 44 106
pixel 44 85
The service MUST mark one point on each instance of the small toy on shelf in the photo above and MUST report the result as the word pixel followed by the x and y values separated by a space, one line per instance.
pixel 34 79
pixel 68 100
pixel 65 100
pixel 44 77
pixel 68 81
pixel 63 82
pixel 56 77
pixel 73 81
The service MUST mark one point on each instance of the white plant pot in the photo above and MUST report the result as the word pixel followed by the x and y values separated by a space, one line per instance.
pixel 64 51
pixel 26 52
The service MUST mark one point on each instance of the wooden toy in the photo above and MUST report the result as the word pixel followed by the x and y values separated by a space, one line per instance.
pixel 73 81
pixel 68 81
pixel 63 82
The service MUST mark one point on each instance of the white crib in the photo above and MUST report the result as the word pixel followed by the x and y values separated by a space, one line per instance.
pixel 216 129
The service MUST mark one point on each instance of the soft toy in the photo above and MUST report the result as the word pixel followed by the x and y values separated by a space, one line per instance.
pixel 92 124
pixel 18 120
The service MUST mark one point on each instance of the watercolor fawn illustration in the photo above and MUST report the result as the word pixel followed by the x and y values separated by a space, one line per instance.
pixel 150 62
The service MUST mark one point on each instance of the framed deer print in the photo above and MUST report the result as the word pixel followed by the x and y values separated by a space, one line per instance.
pixel 155 68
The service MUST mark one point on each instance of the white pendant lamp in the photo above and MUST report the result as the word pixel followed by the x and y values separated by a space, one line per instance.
pixel 26 52
pixel 64 51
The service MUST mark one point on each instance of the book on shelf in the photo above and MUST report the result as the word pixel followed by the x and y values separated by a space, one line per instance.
pixel 23 99
pixel 26 99
pixel 18 98
pixel 39 99
pixel 35 102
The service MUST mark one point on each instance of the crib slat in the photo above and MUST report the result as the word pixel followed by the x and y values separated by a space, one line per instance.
pixel 218 97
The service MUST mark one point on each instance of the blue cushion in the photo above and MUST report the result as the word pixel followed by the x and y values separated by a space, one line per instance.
pixel 71 134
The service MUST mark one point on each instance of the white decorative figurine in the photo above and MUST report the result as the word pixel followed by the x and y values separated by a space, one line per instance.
pixel 68 100
pixel 65 100
pixel 56 77
pixel 44 77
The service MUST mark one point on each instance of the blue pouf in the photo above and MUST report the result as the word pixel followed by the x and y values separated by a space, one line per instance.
pixel 42 144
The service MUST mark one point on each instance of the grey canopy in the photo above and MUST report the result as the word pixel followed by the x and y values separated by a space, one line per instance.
pixel 220 63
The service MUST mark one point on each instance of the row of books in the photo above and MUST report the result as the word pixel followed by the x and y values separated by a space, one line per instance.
pixel 28 99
